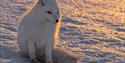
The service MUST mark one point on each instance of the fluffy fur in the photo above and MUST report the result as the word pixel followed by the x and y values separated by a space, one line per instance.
pixel 61 55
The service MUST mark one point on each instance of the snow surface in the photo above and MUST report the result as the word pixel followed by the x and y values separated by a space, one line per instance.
pixel 94 29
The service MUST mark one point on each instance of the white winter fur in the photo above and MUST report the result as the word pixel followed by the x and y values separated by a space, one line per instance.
pixel 37 29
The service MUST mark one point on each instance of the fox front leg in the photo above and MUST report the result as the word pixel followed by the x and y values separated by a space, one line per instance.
pixel 48 53
pixel 32 52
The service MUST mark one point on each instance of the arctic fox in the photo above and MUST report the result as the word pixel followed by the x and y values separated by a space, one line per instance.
pixel 37 29
pixel 38 34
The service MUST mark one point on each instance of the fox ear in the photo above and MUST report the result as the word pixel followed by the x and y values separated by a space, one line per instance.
pixel 43 2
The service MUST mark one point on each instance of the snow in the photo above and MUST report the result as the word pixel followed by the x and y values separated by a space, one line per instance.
pixel 94 29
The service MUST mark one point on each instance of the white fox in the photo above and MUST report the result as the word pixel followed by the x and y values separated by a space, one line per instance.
pixel 37 29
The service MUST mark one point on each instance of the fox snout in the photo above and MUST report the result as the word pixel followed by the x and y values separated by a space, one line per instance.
pixel 57 20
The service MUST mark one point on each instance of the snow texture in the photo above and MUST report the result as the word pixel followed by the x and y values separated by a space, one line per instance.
pixel 93 29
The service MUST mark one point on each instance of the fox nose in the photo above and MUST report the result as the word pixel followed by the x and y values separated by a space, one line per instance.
pixel 57 21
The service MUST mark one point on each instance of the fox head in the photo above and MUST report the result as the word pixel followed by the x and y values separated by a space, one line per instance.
pixel 50 10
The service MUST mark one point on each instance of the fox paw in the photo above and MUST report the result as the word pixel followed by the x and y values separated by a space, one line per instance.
pixel 34 61
pixel 49 62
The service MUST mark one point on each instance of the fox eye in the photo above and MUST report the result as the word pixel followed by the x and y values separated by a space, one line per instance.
pixel 49 12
